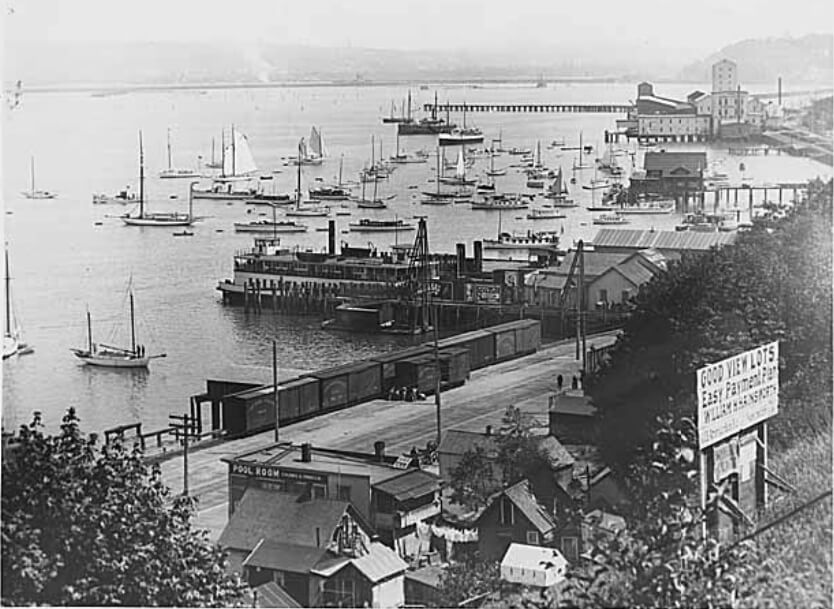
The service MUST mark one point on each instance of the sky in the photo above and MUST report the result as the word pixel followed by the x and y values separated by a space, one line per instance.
pixel 697 28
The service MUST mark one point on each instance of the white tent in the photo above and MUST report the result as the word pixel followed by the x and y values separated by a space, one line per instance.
pixel 533 565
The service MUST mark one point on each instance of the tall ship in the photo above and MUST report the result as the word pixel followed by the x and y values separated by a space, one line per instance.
pixel 353 270
pixel 432 125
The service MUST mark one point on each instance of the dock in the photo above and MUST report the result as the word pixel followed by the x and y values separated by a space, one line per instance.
pixel 525 382
pixel 543 108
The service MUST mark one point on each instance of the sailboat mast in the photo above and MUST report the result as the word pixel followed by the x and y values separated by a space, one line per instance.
pixel 212 152
pixel 223 153
pixel 298 184
pixel 141 178
pixel 32 172
pixel 234 153
pixel 169 149
pixel 341 162
pixel 373 152
pixel 132 327
pixel 89 333
pixel 8 301
pixel 437 179
pixel 409 105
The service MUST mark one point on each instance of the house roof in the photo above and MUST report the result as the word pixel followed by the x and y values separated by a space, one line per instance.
pixel 271 594
pixel 430 575
pixel 522 497
pixel 663 240
pixel 536 558
pixel 379 563
pixel 460 441
pixel 671 163
pixel 273 515
pixel 558 454
pixel 279 556
pixel 409 485
pixel 579 405
pixel 595 263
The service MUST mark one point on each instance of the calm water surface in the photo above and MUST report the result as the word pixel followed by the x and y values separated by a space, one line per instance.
pixel 63 264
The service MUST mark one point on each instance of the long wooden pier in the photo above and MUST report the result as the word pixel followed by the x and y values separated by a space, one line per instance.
pixel 564 108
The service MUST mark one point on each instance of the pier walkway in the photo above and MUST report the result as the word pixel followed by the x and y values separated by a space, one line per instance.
pixel 525 383
pixel 564 108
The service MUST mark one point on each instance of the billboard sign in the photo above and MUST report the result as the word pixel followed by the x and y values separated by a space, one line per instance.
pixel 737 393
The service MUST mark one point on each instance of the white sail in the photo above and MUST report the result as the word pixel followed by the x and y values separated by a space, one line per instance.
pixel 316 143
pixel 460 170
pixel 238 159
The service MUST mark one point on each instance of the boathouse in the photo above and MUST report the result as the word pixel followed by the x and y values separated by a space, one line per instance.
pixel 669 174
pixel 672 244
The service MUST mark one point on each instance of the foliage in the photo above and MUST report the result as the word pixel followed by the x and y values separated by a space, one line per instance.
pixel 466 579
pixel 482 470
pixel 661 559
pixel 774 283
pixel 89 526
pixel 472 480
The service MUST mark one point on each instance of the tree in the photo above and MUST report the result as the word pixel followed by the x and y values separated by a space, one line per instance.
pixel 517 455
pixel 467 579
pixel 774 283
pixel 96 526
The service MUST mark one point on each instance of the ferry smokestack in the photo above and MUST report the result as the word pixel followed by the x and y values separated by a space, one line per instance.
pixel 461 249
pixel 331 237
pixel 479 257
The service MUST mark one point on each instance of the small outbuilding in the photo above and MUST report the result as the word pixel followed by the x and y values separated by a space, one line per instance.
pixel 533 566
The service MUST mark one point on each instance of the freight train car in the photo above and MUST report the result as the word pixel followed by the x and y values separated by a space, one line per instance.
pixel 389 360
pixel 253 410
pixel 349 384
pixel 481 345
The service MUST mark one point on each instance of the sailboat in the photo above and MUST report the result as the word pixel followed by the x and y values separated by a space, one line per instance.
pixel 273 226
pixel 331 193
pixel 33 193
pixel 493 172
pixel 312 211
pixel 12 338
pixel 238 162
pixel 580 164
pixel 459 179
pixel 115 357
pixel 214 163
pixel 171 172
pixel 157 218
pixel 312 154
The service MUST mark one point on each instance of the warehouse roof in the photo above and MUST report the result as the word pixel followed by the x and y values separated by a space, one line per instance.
pixel 660 240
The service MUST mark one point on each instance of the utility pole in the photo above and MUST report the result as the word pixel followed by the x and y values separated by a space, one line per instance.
pixel 275 402
pixel 437 374
pixel 582 304
pixel 183 423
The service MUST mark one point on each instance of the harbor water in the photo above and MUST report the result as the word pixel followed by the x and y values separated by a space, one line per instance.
pixel 68 256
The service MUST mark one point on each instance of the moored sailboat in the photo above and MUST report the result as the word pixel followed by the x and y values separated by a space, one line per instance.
pixel 34 193
pixel 13 343
pixel 171 171
pixel 157 218
pixel 108 356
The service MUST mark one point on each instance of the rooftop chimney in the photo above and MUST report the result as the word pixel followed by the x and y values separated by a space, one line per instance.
pixel 331 237
pixel 461 258
pixel 379 450
pixel 306 452
pixel 479 257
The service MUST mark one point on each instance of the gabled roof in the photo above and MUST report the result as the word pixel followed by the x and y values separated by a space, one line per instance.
pixel 279 556
pixel 409 485
pixel 536 558
pixel 595 263
pixel 379 563
pixel 668 162
pixel 522 497
pixel 282 516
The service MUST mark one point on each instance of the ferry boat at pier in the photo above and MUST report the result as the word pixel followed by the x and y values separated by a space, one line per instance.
pixel 538 247
pixel 352 271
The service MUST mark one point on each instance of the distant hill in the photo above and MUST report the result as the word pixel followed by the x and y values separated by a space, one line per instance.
pixel 62 64
pixel 809 59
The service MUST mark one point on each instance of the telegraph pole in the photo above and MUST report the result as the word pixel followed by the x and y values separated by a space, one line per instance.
pixel 275 388
pixel 183 423
pixel 437 374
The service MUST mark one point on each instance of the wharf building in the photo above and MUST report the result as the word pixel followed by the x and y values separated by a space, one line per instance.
pixel 727 112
